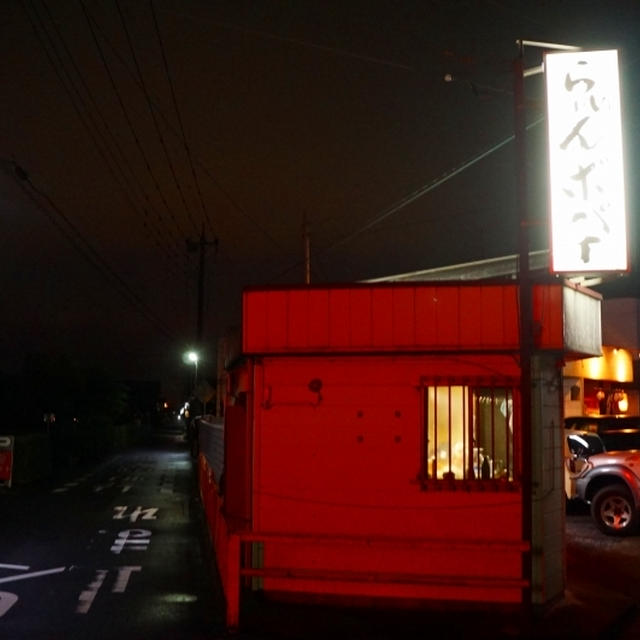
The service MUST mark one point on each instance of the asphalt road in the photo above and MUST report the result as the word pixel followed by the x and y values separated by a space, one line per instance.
pixel 120 551
pixel 115 552
pixel 610 564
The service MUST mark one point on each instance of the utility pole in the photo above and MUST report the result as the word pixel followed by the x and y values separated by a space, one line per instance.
pixel 307 250
pixel 525 281
pixel 526 320
pixel 200 246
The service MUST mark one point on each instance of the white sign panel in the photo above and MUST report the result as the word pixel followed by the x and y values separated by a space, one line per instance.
pixel 588 218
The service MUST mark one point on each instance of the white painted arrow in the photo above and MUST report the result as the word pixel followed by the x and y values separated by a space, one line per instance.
pixel 33 574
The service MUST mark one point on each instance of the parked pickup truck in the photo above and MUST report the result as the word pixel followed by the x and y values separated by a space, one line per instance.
pixel 603 470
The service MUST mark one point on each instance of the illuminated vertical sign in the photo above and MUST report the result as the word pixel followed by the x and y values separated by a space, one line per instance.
pixel 586 181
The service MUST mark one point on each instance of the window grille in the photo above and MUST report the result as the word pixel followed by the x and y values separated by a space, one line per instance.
pixel 468 432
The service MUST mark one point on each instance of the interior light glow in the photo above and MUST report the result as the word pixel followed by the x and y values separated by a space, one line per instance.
pixel 586 174
pixel 623 402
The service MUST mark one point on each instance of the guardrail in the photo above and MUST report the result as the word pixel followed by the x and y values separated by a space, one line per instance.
pixel 211 442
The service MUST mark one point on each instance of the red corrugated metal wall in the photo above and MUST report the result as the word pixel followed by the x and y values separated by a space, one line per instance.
pixel 428 317
pixel 343 464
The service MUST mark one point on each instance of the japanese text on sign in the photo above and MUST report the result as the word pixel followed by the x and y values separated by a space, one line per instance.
pixel 588 220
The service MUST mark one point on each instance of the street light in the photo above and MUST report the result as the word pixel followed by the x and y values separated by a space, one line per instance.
pixel 192 356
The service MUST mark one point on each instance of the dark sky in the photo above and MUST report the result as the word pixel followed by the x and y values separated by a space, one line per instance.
pixel 138 122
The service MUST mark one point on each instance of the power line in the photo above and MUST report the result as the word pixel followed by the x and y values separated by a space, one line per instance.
pixel 412 197
pixel 129 122
pixel 418 193
pixel 203 167
pixel 336 51
pixel 179 116
pixel 86 250
pixel 85 117
pixel 154 231
pixel 153 114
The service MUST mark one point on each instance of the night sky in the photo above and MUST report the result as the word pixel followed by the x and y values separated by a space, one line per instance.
pixel 129 126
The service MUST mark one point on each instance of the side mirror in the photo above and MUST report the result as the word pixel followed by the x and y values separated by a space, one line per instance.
pixel 581 447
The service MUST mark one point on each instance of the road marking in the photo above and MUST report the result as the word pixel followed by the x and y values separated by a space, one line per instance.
pixel 71 484
pixel 108 484
pixel 147 514
pixel 33 574
pixel 88 595
pixel 138 539
pixel 16 567
pixel 7 600
pixel 124 573
pixel 86 598
pixel 120 511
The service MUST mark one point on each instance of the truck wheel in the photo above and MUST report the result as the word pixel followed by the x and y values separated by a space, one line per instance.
pixel 614 512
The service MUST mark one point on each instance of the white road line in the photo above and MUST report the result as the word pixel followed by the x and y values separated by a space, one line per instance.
pixel 7 600
pixel 124 573
pixel 72 484
pixel 33 574
pixel 86 598
pixel 120 511
pixel 17 567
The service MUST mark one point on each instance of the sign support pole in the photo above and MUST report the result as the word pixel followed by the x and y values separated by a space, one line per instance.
pixel 526 322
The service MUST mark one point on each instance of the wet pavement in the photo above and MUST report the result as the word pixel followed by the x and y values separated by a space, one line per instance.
pixel 116 550
pixel 120 551
pixel 602 600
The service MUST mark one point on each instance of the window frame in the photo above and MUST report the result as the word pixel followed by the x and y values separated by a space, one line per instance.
pixel 509 386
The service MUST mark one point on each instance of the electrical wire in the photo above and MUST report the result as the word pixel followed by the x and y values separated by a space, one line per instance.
pixel 205 170
pixel 410 198
pixel 87 251
pixel 422 191
pixel 130 123
pixel 179 116
pixel 336 51
pixel 154 232
pixel 153 116
pixel 88 121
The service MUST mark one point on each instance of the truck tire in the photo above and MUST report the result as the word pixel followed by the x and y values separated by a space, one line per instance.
pixel 614 511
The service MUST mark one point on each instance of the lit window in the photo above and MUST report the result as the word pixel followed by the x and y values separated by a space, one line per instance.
pixel 468 433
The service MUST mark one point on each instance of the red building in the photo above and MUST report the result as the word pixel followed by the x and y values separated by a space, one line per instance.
pixel 371 445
